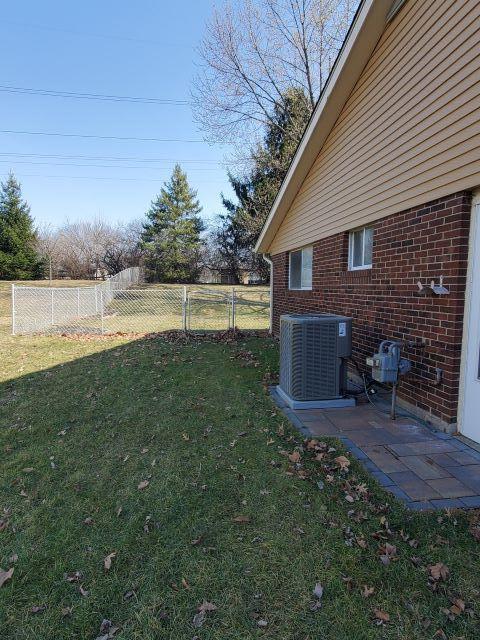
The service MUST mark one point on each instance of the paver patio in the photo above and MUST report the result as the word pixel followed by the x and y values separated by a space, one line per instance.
pixel 425 468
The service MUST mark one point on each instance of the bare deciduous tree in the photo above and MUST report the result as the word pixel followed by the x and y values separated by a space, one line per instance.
pixel 48 248
pixel 255 50
pixel 90 249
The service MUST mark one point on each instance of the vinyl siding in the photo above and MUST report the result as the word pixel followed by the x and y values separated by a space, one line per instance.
pixel 409 132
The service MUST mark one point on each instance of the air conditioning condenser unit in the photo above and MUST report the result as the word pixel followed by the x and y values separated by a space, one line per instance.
pixel 313 360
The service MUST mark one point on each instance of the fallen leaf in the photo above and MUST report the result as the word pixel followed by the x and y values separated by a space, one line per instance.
pixel 199 619
pixel 107 562
pixel 458 607
pixel 342 462
pixel 83 591
pixel 75 576
pixel 5 575
pixel 241 519
pixel 67 611
pixel 475 531
pixel 185 584
pixel 438 571
pixel 294 457
pixel 207 606
pixel 143 484
pixel 38 609
pixel 388 552
pixel 107 630
pixel 367 591
pixel 318 591
pixel 381 616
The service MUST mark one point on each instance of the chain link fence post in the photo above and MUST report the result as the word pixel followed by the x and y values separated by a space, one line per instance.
pixel 184 309
pixel 13 309
pixel 52 308
pixel 101 311
pixel 233 308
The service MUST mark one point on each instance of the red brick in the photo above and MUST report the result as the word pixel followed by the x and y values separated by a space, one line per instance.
pixel 384 302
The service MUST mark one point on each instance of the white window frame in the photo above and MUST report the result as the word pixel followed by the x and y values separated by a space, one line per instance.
pixel 363 266
pixel 302 249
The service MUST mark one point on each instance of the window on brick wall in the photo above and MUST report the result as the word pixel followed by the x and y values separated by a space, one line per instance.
pixel 300 272
pixel 360 249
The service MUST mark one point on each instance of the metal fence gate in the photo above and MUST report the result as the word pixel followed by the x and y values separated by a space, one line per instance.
pixel 112 308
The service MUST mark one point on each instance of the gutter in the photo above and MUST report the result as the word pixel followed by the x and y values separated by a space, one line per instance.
pixel 268 260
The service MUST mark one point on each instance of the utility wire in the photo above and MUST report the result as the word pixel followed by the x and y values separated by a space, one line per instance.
pixel 103 166
pixel 92 96
pixel 38 175
pixel 109 158
pixel 94 35
pixel 89 136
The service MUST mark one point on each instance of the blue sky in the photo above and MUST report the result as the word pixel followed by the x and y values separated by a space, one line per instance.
pixel 144 48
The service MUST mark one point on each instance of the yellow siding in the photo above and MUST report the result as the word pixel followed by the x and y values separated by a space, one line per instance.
pixel 409 132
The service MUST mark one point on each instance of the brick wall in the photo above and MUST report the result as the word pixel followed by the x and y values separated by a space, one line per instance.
pixel 384 302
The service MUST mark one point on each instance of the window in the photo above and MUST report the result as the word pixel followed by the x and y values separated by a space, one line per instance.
pixel 301 268
pixel 360 249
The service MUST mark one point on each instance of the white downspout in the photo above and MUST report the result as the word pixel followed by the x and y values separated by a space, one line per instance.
pixel 269 262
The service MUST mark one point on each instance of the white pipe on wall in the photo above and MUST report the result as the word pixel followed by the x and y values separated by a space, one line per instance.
pixel 268 260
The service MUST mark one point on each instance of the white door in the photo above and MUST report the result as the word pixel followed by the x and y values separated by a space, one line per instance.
pixel 470 415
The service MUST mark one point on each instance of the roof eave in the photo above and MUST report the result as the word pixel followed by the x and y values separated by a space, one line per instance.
pixel 366 29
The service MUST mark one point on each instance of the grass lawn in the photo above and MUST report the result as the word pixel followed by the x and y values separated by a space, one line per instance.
pixel 226 518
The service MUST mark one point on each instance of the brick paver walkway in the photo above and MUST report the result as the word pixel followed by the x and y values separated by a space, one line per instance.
pixel 425 468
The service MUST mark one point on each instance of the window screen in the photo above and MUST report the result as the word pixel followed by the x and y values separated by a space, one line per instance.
pixel 361 248
pixel 301 268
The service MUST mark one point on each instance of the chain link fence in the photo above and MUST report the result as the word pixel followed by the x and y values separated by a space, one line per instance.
pixel 119 305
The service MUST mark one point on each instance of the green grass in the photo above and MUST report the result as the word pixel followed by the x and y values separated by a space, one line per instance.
pixel 83 422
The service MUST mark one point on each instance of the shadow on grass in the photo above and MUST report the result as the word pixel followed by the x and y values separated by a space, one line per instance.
pixel 194 422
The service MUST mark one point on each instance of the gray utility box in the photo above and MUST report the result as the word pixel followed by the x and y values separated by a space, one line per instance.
pixel 313 368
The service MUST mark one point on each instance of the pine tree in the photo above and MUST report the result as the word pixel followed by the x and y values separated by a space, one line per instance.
pixel 172 233
pixel 18 257
pixel 256 191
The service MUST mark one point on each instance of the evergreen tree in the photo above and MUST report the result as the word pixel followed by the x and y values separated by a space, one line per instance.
pixel 172 232
pixel 256 191
pixel 18 257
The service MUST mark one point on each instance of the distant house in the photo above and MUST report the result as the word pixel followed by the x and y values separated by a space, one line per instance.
pixel 382 199
pixel 222 275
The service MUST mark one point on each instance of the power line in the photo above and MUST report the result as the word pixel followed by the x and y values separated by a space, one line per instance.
pixel 94 35
pixel 39 175
pixel 109 158
pixel 92 96
pixel 103 166
pixel 89 136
